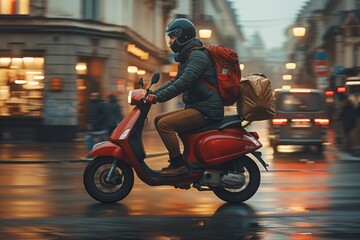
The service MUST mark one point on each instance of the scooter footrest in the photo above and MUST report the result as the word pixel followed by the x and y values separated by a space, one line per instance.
pixel 200 188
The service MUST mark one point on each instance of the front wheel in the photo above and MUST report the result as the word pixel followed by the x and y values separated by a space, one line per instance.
pixel 251 184
pixel 102 190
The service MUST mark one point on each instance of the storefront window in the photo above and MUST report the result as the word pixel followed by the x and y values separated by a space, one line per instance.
pixel 21 86
pixel 14 7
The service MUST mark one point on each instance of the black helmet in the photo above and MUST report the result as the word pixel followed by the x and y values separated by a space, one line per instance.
pixel 184 31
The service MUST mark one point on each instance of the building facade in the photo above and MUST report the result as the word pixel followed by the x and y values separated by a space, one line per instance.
pixel 53 54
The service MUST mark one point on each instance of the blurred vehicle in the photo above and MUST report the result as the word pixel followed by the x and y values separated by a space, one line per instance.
pixel 301 118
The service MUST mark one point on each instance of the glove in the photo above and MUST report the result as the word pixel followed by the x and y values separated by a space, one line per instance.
pixel 151 98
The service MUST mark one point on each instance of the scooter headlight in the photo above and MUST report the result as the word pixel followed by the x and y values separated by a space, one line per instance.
pixel 130 96
pixel 135 96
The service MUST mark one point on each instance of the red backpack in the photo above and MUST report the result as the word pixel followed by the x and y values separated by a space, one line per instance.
pixel 228 73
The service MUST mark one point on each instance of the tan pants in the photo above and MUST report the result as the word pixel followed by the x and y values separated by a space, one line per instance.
pixel 168 123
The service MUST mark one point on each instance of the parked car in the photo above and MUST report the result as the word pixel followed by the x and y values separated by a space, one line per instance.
pixel 300 119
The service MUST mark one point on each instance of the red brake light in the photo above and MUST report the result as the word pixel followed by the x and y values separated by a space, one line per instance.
pixel 322 121
pixel 329 93
pixel 341 89
pixel 279 121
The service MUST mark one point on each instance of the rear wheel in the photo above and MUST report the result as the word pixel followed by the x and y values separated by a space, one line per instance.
pixel 249 188
pixel 102 190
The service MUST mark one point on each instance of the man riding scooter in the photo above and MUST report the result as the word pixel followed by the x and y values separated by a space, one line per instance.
pixel 202 104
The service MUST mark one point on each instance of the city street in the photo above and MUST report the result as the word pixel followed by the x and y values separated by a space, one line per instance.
pixel 73 71
pixel 305 195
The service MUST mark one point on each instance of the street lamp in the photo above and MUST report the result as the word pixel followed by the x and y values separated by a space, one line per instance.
pixel 299 31
pixel 290 66
pixel 286 77
pixel 205 33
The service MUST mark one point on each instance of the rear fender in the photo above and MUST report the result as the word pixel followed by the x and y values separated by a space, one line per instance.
pixel 108 149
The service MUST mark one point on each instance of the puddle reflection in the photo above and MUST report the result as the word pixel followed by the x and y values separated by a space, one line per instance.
pixel 229 221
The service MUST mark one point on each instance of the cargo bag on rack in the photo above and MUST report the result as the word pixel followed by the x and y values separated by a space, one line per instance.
pixel 256 100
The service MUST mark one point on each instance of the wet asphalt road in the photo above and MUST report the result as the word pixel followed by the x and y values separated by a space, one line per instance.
pixel 305 195
pixel 302 197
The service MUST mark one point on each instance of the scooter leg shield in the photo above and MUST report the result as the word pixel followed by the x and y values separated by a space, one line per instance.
pixel 107 149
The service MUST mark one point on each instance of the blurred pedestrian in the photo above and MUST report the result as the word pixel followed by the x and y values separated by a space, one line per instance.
pixel 348 117
pixel 96 120
pixel 114 113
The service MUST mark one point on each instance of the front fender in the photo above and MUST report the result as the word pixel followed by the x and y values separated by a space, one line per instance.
pixel 107 149
pixel 257 155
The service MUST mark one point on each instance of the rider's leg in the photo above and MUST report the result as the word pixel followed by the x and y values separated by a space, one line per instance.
pixel 156 120
pixel 178 121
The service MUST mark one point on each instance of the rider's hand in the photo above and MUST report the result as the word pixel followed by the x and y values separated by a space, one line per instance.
pixel 151 98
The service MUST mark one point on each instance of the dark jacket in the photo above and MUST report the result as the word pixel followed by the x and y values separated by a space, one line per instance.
pixel 348 114
pixel 97 115
pixel 194 67
pixel 114 114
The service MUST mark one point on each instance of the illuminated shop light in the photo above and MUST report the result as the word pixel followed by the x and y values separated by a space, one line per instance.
pixel 140 72
pixel 133 49
pixel 33 83
pixel 16 63
pixel 4 62
pixel 20 81
pixel 81 68
pixel 39 77
pixel 132 69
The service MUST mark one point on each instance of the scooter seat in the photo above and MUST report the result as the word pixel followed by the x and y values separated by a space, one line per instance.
pixel 226 122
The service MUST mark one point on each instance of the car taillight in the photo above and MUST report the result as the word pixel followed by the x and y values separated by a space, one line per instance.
pixel 322 121
pixel 279 121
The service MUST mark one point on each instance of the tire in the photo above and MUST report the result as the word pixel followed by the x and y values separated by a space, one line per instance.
pixel 252 183
pixel 103 191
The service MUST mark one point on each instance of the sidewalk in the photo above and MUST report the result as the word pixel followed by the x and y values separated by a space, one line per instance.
pixel 50 152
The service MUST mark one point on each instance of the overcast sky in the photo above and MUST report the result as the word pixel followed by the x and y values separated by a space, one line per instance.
pixel 268 17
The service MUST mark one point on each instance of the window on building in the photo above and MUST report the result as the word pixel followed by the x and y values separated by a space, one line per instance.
pixel 21 86
pixel 14 7
pixel 91 9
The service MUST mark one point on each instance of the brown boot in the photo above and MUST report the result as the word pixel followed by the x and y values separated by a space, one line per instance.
pixel 174 171
pixel 176 167
pixel 171 166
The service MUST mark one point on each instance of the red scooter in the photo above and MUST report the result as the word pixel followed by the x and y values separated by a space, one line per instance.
pixel 220 158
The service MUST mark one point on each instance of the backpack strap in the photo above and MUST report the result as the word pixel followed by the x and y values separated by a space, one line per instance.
pixel 212 87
